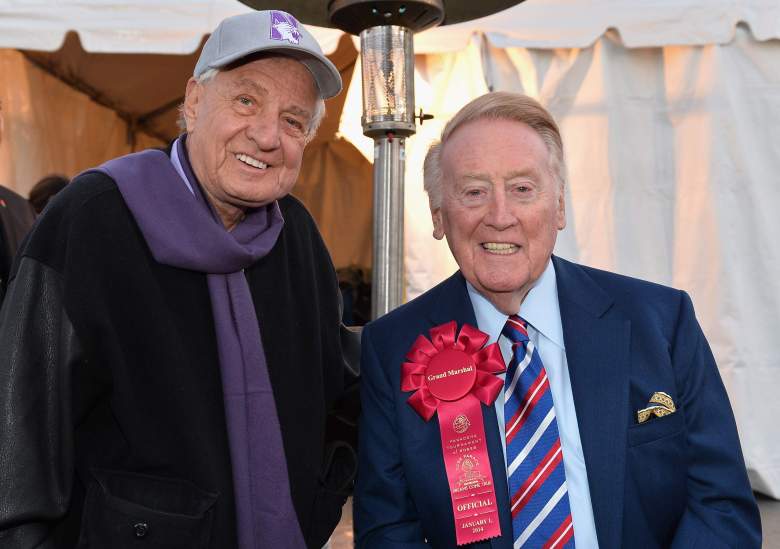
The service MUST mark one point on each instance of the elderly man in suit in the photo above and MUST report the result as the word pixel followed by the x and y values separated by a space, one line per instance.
pixel 610 427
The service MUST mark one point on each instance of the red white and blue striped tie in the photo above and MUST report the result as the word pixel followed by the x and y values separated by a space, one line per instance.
pixel 539 500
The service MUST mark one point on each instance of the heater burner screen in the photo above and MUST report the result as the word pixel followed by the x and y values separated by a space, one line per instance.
pixel 388 76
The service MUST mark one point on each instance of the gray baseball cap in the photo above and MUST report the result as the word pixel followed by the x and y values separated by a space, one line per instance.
pixel 268 31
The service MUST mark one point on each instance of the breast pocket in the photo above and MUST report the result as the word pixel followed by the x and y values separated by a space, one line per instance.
pixel 123 509
pixel 655 429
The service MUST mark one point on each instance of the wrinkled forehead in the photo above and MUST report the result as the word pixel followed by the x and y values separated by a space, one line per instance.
pixel 484 143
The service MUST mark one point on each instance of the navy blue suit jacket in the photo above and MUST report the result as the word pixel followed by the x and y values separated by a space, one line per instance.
pixel 676 481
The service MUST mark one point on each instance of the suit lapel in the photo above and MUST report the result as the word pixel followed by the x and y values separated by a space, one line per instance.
pixel 454 304
pixel 597 339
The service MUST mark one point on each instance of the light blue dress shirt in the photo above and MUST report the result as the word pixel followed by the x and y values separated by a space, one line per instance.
pixel 540 309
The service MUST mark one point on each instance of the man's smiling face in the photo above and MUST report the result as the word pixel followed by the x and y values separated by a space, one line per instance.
pixel 247 129
pixel 501 207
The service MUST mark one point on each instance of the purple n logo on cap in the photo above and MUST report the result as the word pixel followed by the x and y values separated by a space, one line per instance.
pixel 284 27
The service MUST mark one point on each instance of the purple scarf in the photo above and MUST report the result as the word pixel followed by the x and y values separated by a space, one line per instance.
pixel 183 230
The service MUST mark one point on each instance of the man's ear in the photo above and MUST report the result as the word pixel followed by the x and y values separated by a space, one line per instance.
pixel 192 98
pixel 438 223
pixel 561 214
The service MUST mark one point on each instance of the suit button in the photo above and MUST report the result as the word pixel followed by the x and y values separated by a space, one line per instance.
pixel 141 529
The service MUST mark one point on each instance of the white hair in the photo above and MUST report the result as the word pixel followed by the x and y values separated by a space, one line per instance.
pixel 209 75
pixel 497 106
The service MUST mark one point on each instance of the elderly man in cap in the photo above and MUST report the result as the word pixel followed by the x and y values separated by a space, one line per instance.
pixel 170 342
pixel 610 426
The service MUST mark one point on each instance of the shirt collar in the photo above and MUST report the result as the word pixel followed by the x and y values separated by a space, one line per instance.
pixel 539 308
pixel 176 161
pixel 489 319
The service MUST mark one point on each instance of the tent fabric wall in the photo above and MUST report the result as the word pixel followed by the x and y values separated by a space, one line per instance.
pixel 50 127
pixel 672 158
pixel 335 184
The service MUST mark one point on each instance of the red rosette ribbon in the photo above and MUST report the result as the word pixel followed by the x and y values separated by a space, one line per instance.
pixel 451 374
pixel 444 349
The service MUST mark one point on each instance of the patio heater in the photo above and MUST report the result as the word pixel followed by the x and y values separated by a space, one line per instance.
pixel 385 28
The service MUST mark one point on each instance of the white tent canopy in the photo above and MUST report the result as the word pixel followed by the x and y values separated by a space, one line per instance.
pixel 670 122
pixel 177 26
pixel 641 23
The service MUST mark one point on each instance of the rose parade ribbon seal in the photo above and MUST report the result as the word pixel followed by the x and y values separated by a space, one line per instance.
pixel 453 376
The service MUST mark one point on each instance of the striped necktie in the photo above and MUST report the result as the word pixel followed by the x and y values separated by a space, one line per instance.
pixel 539 501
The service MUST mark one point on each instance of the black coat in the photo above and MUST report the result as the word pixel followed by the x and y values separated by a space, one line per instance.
pixel 112 424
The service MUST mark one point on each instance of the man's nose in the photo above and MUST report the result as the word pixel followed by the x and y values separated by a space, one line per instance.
pixel 500 215
pixel 265 131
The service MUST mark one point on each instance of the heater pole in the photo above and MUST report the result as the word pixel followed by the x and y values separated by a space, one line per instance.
pixel 388 272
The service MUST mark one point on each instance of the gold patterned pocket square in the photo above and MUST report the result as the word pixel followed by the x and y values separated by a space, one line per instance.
pixel 659 405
